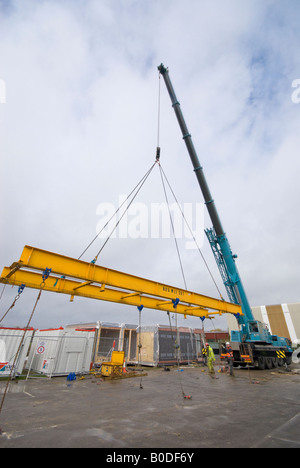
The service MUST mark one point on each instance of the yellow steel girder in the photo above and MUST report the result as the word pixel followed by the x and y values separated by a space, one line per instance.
pixel 78 278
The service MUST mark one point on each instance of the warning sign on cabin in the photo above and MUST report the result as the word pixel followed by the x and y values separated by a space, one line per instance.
pixel 41 347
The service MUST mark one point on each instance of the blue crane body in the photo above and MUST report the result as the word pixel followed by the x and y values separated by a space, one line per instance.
pixel 252 343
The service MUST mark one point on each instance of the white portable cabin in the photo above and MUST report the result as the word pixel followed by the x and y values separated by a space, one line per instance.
pixel 59 351
pixel 14 345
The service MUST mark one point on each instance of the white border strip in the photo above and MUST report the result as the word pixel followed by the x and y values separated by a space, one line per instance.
pixel 289 323
pixel 265 317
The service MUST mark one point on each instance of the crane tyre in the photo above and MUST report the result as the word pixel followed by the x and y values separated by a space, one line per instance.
pixel 275 362
pixel 261 362
pixel 268 361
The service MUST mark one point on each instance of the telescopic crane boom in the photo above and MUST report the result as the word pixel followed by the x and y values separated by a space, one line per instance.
pixel 238 292
pixel 251 330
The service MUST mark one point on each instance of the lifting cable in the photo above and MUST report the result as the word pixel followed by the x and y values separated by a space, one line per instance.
pixel 177 350
pixel 177 341
pixel 42 285
pixel 191 232
pixel 133 193
pixel 162 176
pixel 3 289
pixel 20 290
pixel 175 301
pixel 137 188
pixel 158 119
pixel 140 308
pixel 173 229
pixel 175 198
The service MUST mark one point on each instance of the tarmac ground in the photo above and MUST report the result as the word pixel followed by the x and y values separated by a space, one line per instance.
pixel 251 409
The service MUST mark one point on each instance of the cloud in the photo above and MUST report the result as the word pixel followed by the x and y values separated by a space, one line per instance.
pixel 79 128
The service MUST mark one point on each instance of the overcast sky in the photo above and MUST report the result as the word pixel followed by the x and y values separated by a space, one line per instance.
pixel 78 129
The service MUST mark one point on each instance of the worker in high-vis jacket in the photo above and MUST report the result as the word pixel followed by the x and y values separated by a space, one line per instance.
pixel 210 358
pixel 229 356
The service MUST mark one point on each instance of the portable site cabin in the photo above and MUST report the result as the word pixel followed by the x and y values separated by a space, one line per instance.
pixel 158 343
pixel 112 336
pixel 61 352
pixel 163 345
pixel 14 345
pixel 119 337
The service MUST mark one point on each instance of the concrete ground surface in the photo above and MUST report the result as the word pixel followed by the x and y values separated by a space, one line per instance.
pixel 252 409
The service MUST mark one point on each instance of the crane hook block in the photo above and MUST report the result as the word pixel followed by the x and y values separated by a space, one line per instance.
pixel 157 153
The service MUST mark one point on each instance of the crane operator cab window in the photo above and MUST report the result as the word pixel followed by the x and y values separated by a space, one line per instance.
pixel 253 327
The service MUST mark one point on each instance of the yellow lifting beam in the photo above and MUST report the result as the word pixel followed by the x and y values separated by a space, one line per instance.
pixel 78 278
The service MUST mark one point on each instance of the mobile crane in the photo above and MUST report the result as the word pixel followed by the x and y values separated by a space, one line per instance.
pixel 252 344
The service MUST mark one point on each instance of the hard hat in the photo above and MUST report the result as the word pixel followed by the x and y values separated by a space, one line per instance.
pixel 206 344
pixel 227 344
